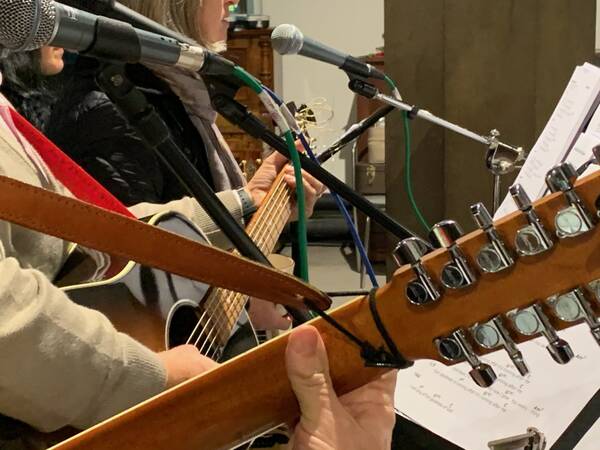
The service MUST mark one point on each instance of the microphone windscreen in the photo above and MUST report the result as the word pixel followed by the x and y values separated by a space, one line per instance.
pixel 287 39
pixel 26 24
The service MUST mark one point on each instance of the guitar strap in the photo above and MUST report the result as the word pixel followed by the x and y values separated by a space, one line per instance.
pixel 97 220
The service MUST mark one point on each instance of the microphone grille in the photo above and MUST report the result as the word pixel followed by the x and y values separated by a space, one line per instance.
pixel 287 39
pixel 26 24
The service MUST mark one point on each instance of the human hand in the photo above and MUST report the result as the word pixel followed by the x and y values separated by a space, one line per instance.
pixel 268 316
pixel 184 362
pixel 360 420
pixel 260 184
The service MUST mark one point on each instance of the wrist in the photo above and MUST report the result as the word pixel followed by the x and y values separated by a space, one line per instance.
pixel 249 206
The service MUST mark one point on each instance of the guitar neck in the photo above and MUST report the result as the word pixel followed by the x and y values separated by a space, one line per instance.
pixel 264 229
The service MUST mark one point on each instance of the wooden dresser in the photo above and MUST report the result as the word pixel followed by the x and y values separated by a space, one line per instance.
pixel 252 50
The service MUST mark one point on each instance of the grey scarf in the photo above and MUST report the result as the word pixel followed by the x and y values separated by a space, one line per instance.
pixel 192 92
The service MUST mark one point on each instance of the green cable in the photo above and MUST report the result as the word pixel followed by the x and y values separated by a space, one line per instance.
pixel 407 173
pixel 256 86
pixel 248 79
pixel 302 239
pixel 407 166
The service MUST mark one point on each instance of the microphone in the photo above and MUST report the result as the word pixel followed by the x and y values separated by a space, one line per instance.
pixel 289 40
pixel 30 24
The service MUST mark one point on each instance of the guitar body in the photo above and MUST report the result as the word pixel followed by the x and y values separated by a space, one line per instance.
pixel 158 309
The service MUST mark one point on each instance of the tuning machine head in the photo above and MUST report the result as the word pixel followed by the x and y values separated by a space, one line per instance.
pixel 492 335
pixel 456 347
pixel 531 321
pixel 532 239
pixel 421 290
pixel 573 307
pixel 575 219
pixel 494 256
pixel 456 274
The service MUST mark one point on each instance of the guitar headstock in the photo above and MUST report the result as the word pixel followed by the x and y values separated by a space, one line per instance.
pixel 532 273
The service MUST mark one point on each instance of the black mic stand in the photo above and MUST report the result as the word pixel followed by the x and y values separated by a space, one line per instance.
pixel 143 117
pixel 222 91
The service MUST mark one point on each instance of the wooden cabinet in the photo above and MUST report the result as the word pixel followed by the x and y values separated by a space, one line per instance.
pixel 252 50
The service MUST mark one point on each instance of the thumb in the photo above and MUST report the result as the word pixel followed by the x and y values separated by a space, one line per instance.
pixel 308 371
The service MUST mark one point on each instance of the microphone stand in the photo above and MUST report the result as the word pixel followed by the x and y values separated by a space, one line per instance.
pixel 143 117
pixel 354 132
pixel 500 159
pixel 222 92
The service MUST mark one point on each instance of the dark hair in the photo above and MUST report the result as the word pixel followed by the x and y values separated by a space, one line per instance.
pixel 26 87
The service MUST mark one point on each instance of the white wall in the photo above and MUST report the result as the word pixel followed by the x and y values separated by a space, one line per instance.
pixel 352 26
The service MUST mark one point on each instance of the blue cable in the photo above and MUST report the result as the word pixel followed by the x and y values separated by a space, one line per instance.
pixel 340 204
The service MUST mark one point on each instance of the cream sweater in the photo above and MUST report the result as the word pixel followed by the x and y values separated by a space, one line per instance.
pixel 63 364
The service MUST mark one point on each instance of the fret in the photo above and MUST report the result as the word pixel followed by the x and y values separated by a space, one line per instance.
pixel 264 229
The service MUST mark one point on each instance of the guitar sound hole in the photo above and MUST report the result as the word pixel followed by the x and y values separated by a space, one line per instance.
pixel 187 322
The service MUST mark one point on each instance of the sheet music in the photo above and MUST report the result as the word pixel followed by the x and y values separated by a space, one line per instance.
pixel 574 109
pixel 446 400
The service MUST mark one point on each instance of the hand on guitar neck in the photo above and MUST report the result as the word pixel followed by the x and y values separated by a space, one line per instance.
pixel 262 181
pixel 362 419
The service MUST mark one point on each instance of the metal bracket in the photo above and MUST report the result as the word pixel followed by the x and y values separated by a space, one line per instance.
pixel 532 440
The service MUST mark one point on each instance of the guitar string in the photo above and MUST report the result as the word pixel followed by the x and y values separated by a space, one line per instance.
pixel 227 304
pixel 213 304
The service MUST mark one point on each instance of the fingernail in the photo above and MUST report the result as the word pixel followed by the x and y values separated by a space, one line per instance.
pixel 303 342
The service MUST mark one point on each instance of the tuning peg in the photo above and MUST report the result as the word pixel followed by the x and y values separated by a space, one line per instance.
pixel 457 347
pixel 456 274
pixel 421 290
pixel 493 257
pixel 531 321
pixel 575 219
pixel 493 334
pixel 572 307
pixel 533 238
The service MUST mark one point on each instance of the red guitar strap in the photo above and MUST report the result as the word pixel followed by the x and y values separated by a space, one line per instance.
pixel 69 173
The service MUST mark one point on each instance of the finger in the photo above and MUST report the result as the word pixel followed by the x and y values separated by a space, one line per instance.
pixel 372 405
pixel 278 160
pixel 312 181
pixel 308 371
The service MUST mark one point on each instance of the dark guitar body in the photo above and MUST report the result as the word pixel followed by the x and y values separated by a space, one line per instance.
pixel 158 309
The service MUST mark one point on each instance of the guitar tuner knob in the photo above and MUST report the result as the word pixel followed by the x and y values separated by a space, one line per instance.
pixel 532 321
pixel 457 273
pixel 492 257
pixel 421 290
pixel 492 335
pixel 410 251
pixel 575 219
pixel 456 347
pixel 561 178
pixel 561 351
pixel 573 307
pixel 532 239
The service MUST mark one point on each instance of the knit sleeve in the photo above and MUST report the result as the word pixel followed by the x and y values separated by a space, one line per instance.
pixel 64 364
pixel 190 208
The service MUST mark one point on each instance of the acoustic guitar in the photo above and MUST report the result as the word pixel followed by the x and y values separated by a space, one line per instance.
pixel 162 310
pixel 532 273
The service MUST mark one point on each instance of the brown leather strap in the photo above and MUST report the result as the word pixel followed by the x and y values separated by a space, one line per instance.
pixel 117 235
